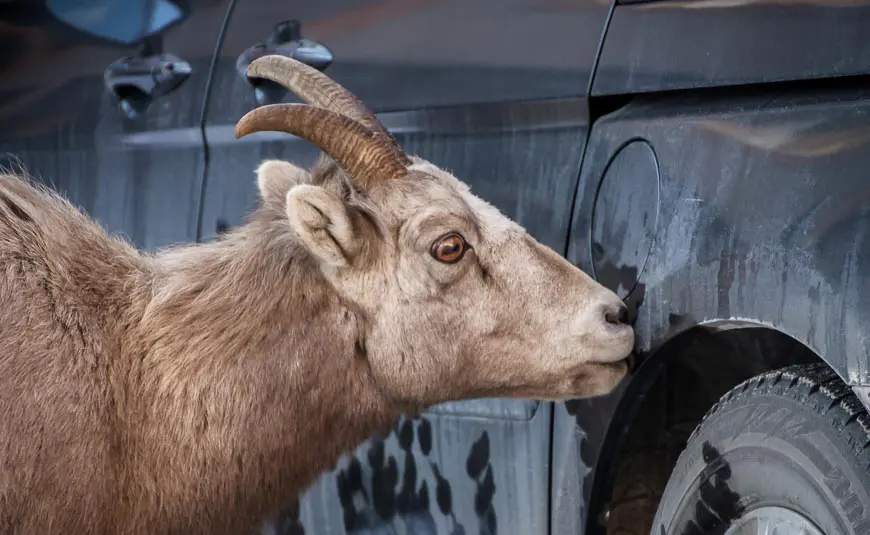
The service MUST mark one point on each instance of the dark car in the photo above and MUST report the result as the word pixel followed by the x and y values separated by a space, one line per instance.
pixel 709 160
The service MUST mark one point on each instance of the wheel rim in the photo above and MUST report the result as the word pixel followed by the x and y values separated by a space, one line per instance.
pixel 773 520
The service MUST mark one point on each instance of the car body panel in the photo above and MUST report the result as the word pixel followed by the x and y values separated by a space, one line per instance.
pixel 762 209
pixel 63 127
pixel 721 199
pixel 673 44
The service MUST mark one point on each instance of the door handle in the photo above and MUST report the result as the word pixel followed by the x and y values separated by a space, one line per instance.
pixel 286 40
pixel 137 81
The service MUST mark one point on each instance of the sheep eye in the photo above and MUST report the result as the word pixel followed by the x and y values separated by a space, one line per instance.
pixel 449 248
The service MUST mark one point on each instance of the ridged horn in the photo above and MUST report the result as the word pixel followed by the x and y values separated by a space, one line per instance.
pixel 317 89
pixel 349 143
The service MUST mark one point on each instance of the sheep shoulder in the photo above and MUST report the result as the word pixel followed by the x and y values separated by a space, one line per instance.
pixel 62 287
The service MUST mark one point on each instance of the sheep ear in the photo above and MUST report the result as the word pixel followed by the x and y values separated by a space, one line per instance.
pixel 276 177
pixel 323 224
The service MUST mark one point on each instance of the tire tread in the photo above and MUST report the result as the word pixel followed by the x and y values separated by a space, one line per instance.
pixel 819 388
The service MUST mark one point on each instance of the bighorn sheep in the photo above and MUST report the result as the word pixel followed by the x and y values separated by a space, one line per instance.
pixel 200 389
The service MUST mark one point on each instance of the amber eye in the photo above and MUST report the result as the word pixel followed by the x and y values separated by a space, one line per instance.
pixel 449 248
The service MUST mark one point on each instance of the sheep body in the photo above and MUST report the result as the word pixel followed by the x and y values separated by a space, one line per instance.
pixel 202 388
pixel 139 393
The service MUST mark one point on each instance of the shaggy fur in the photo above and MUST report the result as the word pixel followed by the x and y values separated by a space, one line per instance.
pixel 201 389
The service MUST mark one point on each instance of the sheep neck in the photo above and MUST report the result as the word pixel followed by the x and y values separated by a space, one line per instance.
pixel 242 418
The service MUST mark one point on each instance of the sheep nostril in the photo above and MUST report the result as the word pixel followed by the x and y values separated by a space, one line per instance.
pixel 616 315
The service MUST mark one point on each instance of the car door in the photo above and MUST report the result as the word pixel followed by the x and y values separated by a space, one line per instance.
pixel 493 90
pixel 102 99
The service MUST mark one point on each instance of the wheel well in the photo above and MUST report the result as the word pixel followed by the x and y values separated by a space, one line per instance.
pixel 685 377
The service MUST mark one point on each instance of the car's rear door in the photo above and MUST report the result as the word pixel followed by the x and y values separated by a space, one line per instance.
pixel 135 164
pixel 494 91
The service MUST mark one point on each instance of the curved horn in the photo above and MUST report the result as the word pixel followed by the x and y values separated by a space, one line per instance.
pixel 346 141
pixel 316 88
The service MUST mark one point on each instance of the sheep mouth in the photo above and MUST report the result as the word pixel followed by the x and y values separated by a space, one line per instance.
pixel 615 365
pixel 619 329
pixel 619 348
pixel 627 363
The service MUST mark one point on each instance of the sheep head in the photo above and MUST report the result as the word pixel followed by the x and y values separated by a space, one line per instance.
pixel 456 300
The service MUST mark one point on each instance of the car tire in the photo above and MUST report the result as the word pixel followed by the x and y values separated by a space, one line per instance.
pixel 788 447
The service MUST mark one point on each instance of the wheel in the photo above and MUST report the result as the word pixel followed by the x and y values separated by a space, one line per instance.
pixel 785 452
